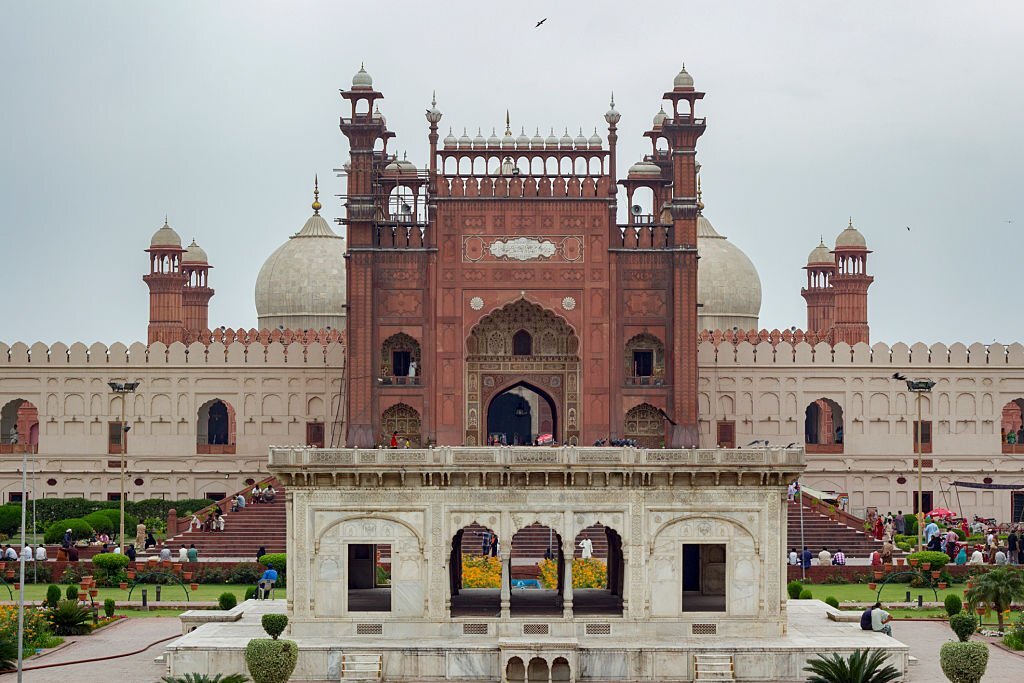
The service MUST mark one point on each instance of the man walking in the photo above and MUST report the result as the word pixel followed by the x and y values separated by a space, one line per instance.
pixel 806 558
pixel 1012 546
pixel 899 523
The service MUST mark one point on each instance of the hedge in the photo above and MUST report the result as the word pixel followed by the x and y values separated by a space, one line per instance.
pixel 10 519
pixel 278 561
pixel 114 515
pixel 110 562
pixel 100 523
pixel 50 510
pixel 79 529
pixel 935 558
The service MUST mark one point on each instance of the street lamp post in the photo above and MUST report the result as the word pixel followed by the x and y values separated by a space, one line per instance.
pixel 123 389
pixel 919 387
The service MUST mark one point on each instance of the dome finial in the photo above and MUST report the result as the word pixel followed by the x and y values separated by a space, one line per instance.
pixel 700 203
pixel 850 224
pixel 316 194
pixel 433 98
pixel 508 124
pixel 612 102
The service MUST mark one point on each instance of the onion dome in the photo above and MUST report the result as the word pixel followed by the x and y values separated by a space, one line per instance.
pixel 400 167
pixel 450 140
pixel 612 116
pixel 645 168
pixel 464 141
pixel 728 286
pixel 551 141
pixel 523 141
pixel 479 140
pixel 660 117
pixel 433 114
pixel 493 140
pixel 362 80
pixel 507 167
pixel 508 141
pixel 683 80
pixel 820 256
pixel 851 238
pixel 165 237
pixel 537 142
pixel 565 142
pixel 302 285
pixel 595 140
pixel 194 254
pixel 580 142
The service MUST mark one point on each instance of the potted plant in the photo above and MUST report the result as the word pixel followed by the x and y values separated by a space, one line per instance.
pixel 925 566
pixel 942 585
pixel 831 511
pixel 82 596
pixel 913 561
pixel 936 574
pixel 123 586
pixel 131 573
pixel 187 576
pixel 900 561
pixel 9 573
pixel 93 592
pixel 879 575
pixel 194 587
pixel 872 585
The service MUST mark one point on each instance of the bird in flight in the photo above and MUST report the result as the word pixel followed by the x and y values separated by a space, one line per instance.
pixel 908 228
pixel 541 22
pixel 898 376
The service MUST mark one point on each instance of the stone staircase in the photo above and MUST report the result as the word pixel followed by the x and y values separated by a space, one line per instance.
pixel 362 667
pixel 262 524
pixel 713 668
pixel 820 531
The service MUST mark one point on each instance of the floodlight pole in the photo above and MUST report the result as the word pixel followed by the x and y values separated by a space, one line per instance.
pixel 21 556
pixel 919 387
pixel 123 390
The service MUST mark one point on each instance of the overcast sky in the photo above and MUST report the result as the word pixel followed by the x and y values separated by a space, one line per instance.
pixel 219 114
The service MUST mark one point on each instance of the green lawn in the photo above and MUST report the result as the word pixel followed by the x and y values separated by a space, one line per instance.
pixel 892 592
pixel 168 593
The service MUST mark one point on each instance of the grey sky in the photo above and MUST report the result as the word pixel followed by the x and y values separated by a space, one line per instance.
pixel 219 114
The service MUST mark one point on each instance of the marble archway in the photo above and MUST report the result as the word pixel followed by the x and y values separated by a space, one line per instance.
pixel 498 358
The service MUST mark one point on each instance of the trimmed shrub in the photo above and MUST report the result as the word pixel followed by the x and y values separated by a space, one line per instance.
pixel 245 572
pixel 100 522
pixel 50 510
pixel 964 662
pixel 10 519
pixel 806 595
pixel 250 593
pixel 79 529
pixel 274 624
pixel 73 574
pixel 114 515
pixel 271 661
pixel 212 575
pixel 964 625
pixel 831 600
pixel 953 604
pixel 110 568
pixel 794 588
pixel 71 593
pixel 70 619
pixel 206 678
pixel 278 561
pixel 933 557
pixel 108 607
pixel 53 594
pixel 227 600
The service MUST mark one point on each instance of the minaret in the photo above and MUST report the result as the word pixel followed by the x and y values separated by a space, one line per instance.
pixel 682 130
pixel 850 284
pixel 819 294
pixel 166 287
pixel 196 269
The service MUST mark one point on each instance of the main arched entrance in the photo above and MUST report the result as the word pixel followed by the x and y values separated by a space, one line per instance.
pixel 522 375
pixel 521 414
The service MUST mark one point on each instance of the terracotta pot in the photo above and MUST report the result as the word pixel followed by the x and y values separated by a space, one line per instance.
pixel 872 586
pixel 982 609
pixel 913 562
pixel 176 567
pixel 879 575
pixel 131 574
pixel 82 595
pixel 925 566
pixel 123 586
pixel 93 592
pixel 17 586
pixel 899 561
pixel 187 576
pixel 936 574
pixel 194 587
pixel 942 584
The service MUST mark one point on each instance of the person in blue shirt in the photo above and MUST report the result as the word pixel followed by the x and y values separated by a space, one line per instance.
pixel 806 558
pixel 267 583
pixel 930 530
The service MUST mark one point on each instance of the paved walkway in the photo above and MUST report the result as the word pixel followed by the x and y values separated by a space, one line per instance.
pixel 125 636
pixel 926 637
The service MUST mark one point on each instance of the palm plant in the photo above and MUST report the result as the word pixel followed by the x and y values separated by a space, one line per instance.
pixel 998 588
pixel 206 678
pixel 8 654
pixel 70 619
pixel 863 666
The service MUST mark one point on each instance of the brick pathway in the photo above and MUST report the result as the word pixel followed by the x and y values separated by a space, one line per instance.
pixel 126 636
pixel 926 637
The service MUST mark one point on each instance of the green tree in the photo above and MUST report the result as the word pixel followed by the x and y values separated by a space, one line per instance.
pixel 206 678
pixel 998 588
pixel 863 666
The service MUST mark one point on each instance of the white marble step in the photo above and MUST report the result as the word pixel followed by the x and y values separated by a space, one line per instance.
pixel 713 668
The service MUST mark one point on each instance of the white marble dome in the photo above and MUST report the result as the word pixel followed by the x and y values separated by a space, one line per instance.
pixel 683 80
pixel 302 285
pixel 362 80
pixel 820 255
pixel 728 285
pixel 165 237
pixel 645 168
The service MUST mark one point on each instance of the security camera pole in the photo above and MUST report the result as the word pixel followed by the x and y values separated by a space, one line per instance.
pixel 123 390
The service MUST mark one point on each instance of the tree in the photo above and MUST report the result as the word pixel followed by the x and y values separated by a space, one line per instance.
pixel 998 588
pixel 863 666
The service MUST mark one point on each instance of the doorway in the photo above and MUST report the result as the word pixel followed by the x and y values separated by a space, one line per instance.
pixel 521 415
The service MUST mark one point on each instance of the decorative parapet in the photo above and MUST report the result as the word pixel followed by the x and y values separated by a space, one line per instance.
pixel 197 353
pixel 302 465
pixel 897 356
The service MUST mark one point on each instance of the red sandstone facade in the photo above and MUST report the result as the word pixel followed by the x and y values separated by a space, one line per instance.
pixel 503 266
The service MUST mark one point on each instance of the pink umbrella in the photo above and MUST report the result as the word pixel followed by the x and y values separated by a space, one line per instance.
pixel 545 439
pixel 941 512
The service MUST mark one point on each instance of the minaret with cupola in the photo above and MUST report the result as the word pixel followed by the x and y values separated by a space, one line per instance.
pixel 195 267
pixel 850 284
pixel 819 293
pixel 166 283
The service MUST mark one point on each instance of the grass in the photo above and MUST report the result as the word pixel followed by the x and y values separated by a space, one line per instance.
pixel 892 592
pixel 168 593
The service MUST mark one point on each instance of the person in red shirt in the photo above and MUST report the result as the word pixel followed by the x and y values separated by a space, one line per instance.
pixel 394 439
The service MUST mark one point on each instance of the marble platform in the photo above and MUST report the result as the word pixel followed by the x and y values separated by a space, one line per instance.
pixel 218 647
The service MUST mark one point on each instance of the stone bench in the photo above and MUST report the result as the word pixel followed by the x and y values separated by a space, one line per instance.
pixel 194 618
pixel 845 616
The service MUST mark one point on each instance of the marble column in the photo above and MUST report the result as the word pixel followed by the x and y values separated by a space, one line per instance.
pixel 567 583
pixel 506 579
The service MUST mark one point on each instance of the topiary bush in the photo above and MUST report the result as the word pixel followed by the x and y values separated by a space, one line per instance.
pixel 108 607
pixel 953 604
pixel 53 594
pixel 806 594
pixel 100 523
pixel 71 593
pixel 113 515
pixel 271 661
pixel 964 625
pixel 227 600
pixel 274 624
pixel 936 559
pixel 79 529
pixel 110 568
pixel 250 593
pixel 794 588
pixel 10 519
pixel 964 662
pixel 831 600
